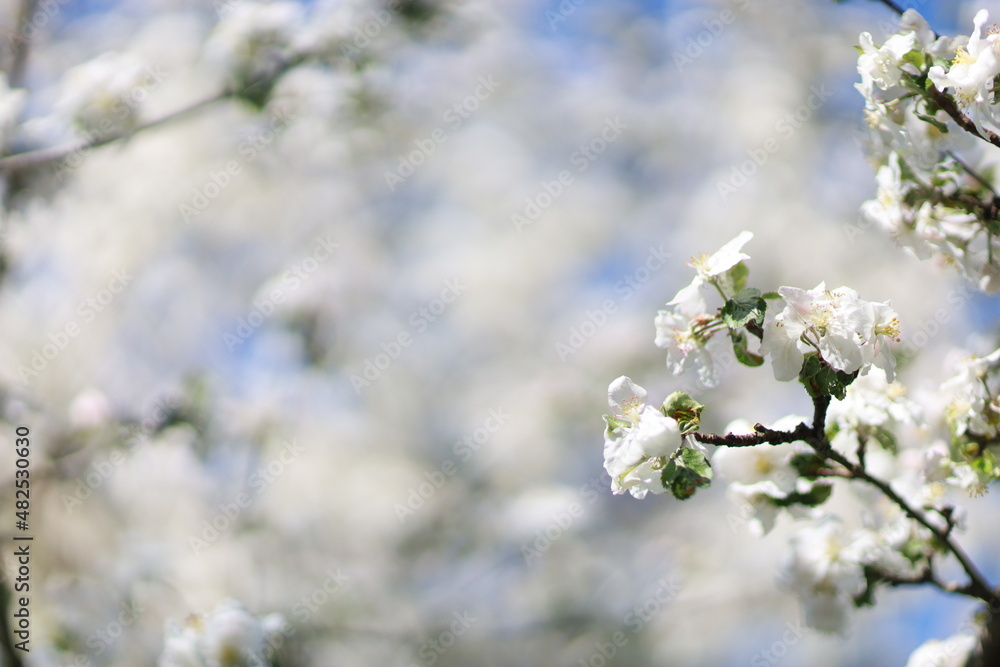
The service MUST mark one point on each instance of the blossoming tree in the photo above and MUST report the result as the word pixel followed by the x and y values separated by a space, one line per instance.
pixel 930 104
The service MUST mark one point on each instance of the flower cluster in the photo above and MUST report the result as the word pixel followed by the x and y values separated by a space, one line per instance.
pixel 229 636
pixel 848 333
pixel 839 347
pixel 918 89
pixel 644 449
pixel 834 328
pixel 685 330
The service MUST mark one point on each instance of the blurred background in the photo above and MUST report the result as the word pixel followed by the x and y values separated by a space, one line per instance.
pixel 340 350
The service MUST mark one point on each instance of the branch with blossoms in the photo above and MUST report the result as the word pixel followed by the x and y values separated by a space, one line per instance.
pixel 839 347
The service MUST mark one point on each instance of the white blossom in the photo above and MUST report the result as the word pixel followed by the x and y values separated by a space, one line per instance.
pixel 686 336
pixel 635 454
pixel 972 72
pixel 708 267
pixel 882 66
pixel 847 332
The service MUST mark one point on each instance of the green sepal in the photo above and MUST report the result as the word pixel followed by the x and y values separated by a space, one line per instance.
pixel 613 424
pixel 770 296
pixel 684 409
pixel 743 354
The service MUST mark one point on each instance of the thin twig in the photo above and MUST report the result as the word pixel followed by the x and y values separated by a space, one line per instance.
pixel 43 156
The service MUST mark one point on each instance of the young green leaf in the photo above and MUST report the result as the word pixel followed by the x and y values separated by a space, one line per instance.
pixel 745 307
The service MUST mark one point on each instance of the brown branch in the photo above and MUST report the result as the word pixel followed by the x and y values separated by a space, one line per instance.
pixel 978 586
pixel 951 108
pixel 762 436
pixel 43 156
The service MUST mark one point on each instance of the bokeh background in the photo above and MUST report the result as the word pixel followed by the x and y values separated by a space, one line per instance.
pixel 386 393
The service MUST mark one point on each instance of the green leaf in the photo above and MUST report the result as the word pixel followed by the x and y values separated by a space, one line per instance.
pixel 915 58
pixel 943 128
pixel 686 472
pixel 744 355
pixel 814 498
pixel 820 379
pixel 770 296
pixel 885 438
pixel 807 464
pixel 696 461
pixel 734 280
pixel 681 407
pixel 745 307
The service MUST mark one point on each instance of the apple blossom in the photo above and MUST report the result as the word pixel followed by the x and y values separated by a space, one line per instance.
pixel 709 268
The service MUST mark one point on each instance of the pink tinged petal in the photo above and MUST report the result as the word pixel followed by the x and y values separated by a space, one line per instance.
pixel 625 396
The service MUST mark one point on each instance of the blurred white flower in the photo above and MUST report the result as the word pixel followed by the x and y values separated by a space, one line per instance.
pixel 825 569
pixel 229 636
pixel 972 407
pixel 685 336
pixel 254 40
pixel 762 475
pixel 90 409
pixel 103 96
pixel 951 652
pixel 873 406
